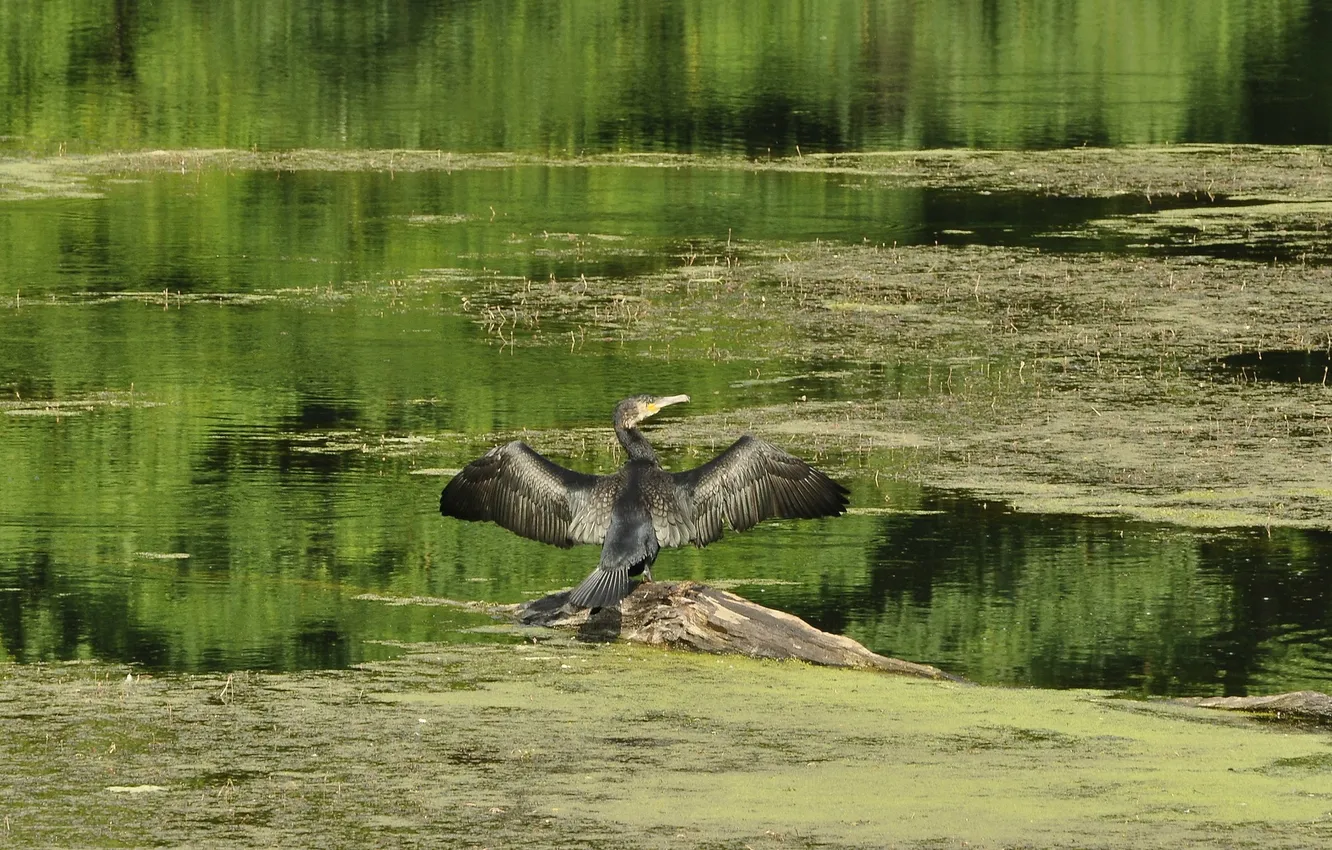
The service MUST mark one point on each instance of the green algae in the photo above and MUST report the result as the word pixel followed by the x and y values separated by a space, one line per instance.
pixel 1070 383
pixel 563 744
pixel 1205 171
pixel 31 179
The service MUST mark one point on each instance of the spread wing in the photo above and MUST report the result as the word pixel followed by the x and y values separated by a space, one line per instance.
pixel 516 487
pixel 752 481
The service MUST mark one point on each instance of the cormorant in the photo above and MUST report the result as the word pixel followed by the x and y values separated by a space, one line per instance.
pixel 642 507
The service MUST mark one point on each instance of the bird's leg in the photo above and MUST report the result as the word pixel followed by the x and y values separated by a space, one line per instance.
pixel 647 574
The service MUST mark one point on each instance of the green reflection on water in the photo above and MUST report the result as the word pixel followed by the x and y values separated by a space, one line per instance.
pixel 273 414
pixel 579 75
pixel 285 414
pixel 274 443
pixel 220 232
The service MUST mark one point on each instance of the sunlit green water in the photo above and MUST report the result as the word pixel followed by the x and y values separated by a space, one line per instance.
pixel 584 75
pixel 280 415
pixel 219 232
pixel 226 399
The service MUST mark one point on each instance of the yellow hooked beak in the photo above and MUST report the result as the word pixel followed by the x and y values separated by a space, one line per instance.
pixel 665 401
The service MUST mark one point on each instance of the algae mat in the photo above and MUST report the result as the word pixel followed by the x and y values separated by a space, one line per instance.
pixel 570 745
pixel 1237 171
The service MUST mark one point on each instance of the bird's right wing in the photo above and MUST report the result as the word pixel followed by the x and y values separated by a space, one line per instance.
pixel 516 487
pixel 751 481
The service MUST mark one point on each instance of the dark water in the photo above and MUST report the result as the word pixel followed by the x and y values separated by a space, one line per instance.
pixel 1084 601
pixel 1283 366
pixel 584 75
pixel 208 474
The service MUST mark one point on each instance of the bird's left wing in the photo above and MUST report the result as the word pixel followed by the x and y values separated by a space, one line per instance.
pixel 516 487
pixel 751 481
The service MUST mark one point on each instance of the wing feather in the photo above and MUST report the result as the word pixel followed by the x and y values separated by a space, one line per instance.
pixel 514 486
pixel 672 516
pixel 751 481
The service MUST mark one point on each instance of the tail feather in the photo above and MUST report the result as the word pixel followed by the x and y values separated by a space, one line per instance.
pixel 630 548
pixel 602 589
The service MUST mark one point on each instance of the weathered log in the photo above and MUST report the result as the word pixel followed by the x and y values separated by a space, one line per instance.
pixel 1299 705
pixel 695 616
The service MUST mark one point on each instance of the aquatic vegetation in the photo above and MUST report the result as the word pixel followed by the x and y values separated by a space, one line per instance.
pixel 530 745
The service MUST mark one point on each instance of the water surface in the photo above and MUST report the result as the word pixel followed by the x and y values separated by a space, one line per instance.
pixel 226 399
pixel 220 232
pixel 580 76
pixel 209 473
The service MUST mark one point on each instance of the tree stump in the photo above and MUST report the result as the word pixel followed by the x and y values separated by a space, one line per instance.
pixel 694 616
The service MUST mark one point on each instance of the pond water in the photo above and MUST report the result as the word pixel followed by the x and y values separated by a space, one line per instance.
pixel 1292 367
pixel 577 76
pixel 226 400
pixel 210 478
pixel 215 232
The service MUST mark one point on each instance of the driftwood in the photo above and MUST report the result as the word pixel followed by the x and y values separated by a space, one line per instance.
pixel 1296 705
pixel 694 616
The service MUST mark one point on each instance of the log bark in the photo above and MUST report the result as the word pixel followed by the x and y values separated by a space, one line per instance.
pixel 1298 705
pixel 694 616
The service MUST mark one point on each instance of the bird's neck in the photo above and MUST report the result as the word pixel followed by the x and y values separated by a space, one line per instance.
pixel 635 444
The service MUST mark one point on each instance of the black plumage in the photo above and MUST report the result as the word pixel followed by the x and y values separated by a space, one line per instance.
pixel 640 508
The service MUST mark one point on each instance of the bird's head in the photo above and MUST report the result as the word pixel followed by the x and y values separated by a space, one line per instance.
pixel 631 411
